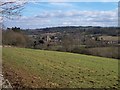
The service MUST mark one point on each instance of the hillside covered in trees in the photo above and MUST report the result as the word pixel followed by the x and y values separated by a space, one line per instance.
pixel 76 39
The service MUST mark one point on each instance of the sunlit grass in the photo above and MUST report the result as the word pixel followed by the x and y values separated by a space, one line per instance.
pixel 63 69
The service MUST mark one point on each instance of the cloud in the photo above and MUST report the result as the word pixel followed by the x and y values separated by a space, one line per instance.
pixel 64 4
pixel 76 13
pixel 73 0
pixel 27 22
pixel 1 20
pixel 59 18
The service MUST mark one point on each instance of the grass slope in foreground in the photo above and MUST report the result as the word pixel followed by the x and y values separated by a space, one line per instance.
pixel 39 68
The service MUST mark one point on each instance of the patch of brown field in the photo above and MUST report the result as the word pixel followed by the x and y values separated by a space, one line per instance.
pixel 21 79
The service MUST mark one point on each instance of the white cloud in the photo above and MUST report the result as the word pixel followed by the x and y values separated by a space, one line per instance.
pixel 61 18
pixel 67 23
pixel 61 4
pixel 1 20
pixel 76 13
pixel 73 0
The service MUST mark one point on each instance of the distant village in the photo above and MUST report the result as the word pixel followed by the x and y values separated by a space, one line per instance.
pixel 67 39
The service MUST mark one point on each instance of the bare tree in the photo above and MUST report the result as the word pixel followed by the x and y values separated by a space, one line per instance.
pixel 10 8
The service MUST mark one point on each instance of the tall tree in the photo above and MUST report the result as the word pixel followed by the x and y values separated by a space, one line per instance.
pixel 10 9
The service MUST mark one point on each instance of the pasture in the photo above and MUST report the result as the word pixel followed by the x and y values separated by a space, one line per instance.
pixel 52 69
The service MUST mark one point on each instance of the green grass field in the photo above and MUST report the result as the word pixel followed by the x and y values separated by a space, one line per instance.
pixel 39 68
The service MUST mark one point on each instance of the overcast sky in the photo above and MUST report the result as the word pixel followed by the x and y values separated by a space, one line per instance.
pixel 51 14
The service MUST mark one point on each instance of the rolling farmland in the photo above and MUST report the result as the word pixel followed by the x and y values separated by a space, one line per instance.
pixel 50 69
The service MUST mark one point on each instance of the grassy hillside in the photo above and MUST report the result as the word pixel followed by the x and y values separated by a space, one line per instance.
pixel 38 68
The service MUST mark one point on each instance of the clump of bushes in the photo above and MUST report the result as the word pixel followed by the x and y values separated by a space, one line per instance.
pixel 15 38
pixel 80 50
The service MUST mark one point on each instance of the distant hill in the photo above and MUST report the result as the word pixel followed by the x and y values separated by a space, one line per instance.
pixel 88 29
